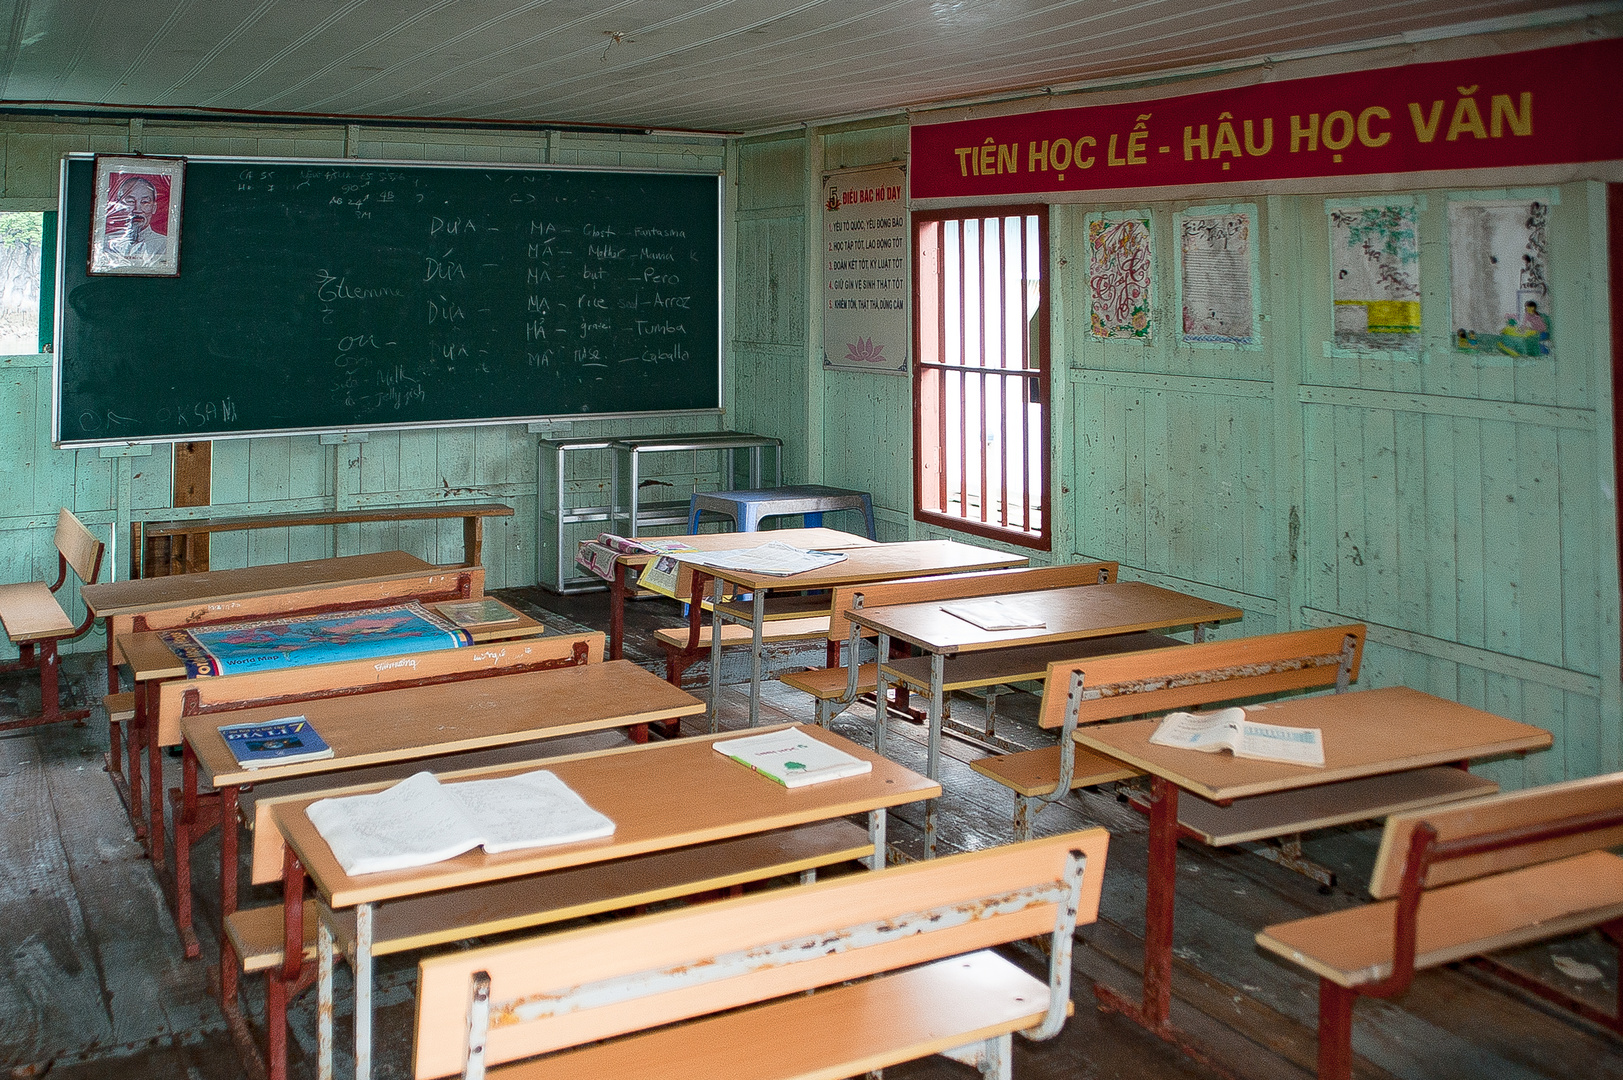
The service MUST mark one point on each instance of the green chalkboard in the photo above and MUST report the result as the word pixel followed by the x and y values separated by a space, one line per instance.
pixel 345 295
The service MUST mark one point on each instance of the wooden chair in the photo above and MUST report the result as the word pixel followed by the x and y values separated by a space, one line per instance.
pixel 835 689
pixel 34 619
pixel 1459 881
pixel 832 979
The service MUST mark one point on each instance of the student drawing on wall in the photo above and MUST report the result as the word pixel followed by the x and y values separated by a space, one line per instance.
pixel 132 213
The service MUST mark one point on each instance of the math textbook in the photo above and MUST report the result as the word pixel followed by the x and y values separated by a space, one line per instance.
pixel 280 742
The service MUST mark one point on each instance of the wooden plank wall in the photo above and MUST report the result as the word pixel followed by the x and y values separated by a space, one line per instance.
pixel 108 489
pixel 1463 509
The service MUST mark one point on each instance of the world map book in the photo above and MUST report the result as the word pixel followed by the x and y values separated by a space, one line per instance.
pixel 280 742
pixel 420 821
pixel 793 758
pixel 1229 728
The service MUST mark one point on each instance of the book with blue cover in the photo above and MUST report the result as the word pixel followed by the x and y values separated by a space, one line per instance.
pixel 280 742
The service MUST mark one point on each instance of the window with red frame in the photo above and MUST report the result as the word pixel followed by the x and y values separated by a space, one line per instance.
pixel 980 383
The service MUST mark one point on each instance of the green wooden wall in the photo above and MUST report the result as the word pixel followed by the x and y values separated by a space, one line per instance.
pixel 262 475
pixel 1463 509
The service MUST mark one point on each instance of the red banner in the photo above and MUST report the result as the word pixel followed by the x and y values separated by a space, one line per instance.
pixel 1542 107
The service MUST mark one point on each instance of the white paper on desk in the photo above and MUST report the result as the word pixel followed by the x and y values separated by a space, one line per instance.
pixel 1229 729
pixel 775 558
pixel 992 615
pixel 420 821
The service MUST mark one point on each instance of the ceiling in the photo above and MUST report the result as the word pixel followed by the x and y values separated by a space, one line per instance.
pixel 723 66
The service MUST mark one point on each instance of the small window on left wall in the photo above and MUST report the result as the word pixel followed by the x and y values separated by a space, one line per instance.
pixel 22 242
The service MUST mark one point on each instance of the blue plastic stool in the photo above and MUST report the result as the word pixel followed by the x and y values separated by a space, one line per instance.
pixel 749 508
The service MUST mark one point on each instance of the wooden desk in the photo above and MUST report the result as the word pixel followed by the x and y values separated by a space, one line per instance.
pixel 627 567
pixel 1366 733
pixel 1068 615
pixel 400 725
pixel 876 562
pixel 180 532
pixel 150 659
pixel 701 796
pixel 226 594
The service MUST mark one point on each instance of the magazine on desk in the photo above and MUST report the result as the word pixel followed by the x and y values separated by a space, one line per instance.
pixel 420 821
pixel 1229 729
pixel 775 558
pixel 792 758
pixel 280 742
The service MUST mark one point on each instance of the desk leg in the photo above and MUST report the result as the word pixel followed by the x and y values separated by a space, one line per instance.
pixel 228 889
pixel 324 998
pixel 186 828
pixel 932 756
pixel 876 837
pixel 281 982
pixel 881 711
pixel 363 991
pixel 132 739
pixel 618 588
pixel 155 845
pixel 715 651
pixel 473 540
pixel 1155 1011
pixel 757 648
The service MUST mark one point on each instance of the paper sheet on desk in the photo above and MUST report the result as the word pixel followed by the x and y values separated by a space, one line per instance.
pixel 774 558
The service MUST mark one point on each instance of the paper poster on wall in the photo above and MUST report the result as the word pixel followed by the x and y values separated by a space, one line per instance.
pixel 1375 267
pixel 1119 275
pixel 865 276
pixel 1217 263
pixel 1499 270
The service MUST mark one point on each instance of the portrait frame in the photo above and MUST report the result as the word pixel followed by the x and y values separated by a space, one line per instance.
pixel 135 215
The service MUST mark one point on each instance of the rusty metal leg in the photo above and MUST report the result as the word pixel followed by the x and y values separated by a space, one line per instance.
pixel 185 824
pixel 1335 1030
pixel 155 844
pixel 275 1026
pixel 1155 1010
pixel 1025 808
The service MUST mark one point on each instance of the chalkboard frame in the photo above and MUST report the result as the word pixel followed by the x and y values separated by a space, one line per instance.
pixel 64 260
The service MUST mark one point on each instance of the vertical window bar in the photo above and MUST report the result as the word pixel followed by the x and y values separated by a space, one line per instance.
pixel 1026 312
pixel 963 359
pixel 941 383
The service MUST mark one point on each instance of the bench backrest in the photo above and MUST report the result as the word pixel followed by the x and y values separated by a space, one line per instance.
pixel 1515 818
pixel 559 990
pixel 229 693
pixel 1159 680
pixel 959 586
pixel 424 586
pixel 77 547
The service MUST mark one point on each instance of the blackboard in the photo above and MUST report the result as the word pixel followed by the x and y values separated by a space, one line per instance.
pixel 346 295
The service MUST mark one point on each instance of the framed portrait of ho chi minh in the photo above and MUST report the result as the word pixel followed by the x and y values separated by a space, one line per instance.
pixel 135 226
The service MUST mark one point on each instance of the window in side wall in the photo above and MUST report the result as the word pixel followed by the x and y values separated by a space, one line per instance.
pixel 980 383
pixel 21 242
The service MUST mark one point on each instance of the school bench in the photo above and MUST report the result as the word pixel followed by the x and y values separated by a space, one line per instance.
pixel 1193 676
pixel 831 979
pixel 34 619
pixel 703 797
pixel 835 689
pixel 180 533
pixel 224 698
pixel 1460 881
pixel 150 604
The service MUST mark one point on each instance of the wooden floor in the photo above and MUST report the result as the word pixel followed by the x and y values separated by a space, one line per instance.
pixel 92 983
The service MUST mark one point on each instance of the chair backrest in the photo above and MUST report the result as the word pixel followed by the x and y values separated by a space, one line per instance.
pixel 1514 824
pixel 229 693
pixel 565 989
pixel 1159 680
pixel 77 547
pixel 959 586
